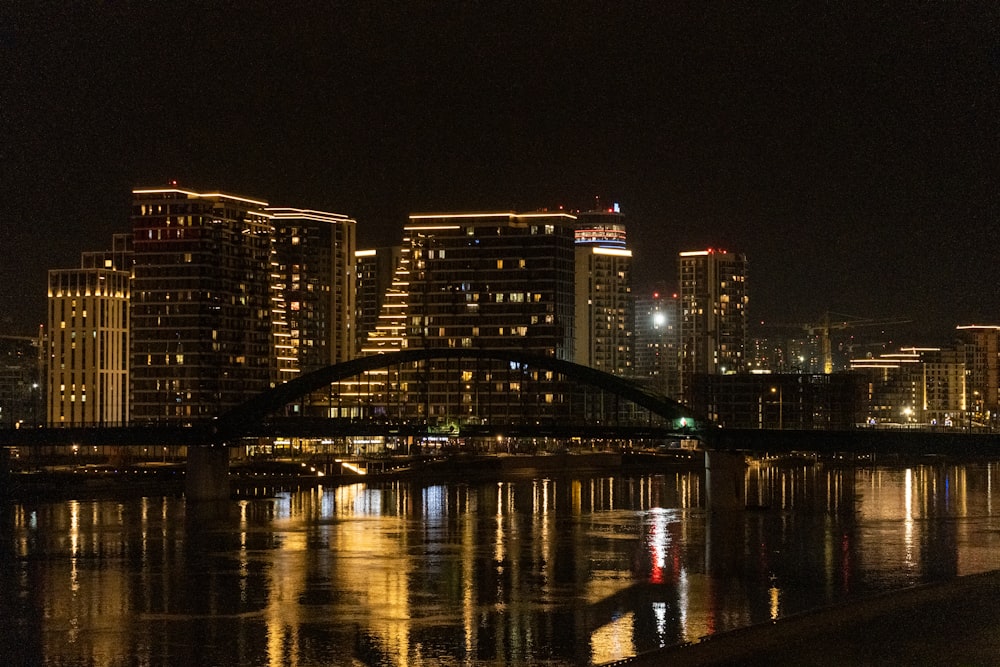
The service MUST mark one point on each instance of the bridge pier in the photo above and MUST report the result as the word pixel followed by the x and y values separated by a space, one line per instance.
pixel 725 481
pixel 4 470
pixel 207 477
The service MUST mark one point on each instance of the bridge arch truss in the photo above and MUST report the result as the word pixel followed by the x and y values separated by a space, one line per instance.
pixel 459 391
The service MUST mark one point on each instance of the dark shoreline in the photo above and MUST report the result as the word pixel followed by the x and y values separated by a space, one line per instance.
pixel 99 481
pixel 103 481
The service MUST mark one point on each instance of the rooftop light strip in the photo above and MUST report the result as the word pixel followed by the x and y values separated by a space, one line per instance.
pixel 616 252
pixel 191 193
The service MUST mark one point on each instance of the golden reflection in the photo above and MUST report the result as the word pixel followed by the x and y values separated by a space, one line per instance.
pixel 613 641
pixel 372 565
pixel 74 543
pixel 287 582
pixel 498 545
pixel 698 618
pixel 406 563
pixel 908 516
pixel 468 576
pixel 775 597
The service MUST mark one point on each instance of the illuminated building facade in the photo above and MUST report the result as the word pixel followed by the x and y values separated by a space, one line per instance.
pixel 492 280
pixel 713 294
pixel 88 344
pixel 479 280
pixel 980 346
pixel 374 268
pixel 657 335
pixel 312 290
pixel 201 324
pixel 605 228
pixel 605 308
pixel 916 386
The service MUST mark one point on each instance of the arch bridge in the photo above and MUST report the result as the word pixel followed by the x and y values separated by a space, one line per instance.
pixel 458 391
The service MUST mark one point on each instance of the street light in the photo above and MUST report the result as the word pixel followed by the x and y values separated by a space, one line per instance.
pixel 781 406
pixel 34 405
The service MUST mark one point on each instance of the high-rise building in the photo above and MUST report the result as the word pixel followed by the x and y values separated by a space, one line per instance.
pixel 657 332
pixel 980 346
pixel 479 280
pixel 605 307
pixel 201 321
pixel 22 384
pixel 602 227
pixel 374 268
pixel 88 321
pixel 492 280
pixel 312 290
pixel 713 293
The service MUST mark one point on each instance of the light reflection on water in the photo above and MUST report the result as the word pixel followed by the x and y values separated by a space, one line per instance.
pixel 547 571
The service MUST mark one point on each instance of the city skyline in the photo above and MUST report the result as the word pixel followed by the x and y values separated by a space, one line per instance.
pixel 848 152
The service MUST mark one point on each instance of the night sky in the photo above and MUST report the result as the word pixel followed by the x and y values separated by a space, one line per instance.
pixel 850 150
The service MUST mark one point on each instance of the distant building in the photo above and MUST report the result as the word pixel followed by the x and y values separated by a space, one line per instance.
pixel 312 290
pixel 605 306
pixel 88 343
pixel 21 381
pixel 780 401
pixel 713 294
pixel 201 301
pixel 915 386
pixel 980 348
pixel 657 336
pixel 601 227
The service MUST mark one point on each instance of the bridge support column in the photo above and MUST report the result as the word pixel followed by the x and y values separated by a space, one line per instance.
pixel 4 470
pixel 725 481
pixel 207 476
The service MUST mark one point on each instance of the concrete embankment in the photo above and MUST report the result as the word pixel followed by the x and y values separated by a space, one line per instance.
pixel 956 622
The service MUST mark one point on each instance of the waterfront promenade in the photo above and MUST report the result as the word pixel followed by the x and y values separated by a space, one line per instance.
pixel 956 622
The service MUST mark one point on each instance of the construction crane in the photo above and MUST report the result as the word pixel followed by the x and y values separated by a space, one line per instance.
pixel 834 322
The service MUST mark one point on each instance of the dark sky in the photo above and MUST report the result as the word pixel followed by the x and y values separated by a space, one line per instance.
pixel 850 150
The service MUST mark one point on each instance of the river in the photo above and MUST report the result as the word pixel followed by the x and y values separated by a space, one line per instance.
pixel 560 571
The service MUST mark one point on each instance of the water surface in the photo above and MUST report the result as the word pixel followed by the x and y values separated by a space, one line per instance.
pixel 560 571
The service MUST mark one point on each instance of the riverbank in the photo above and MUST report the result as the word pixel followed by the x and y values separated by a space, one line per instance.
pixel 63 482
pixel 947 623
